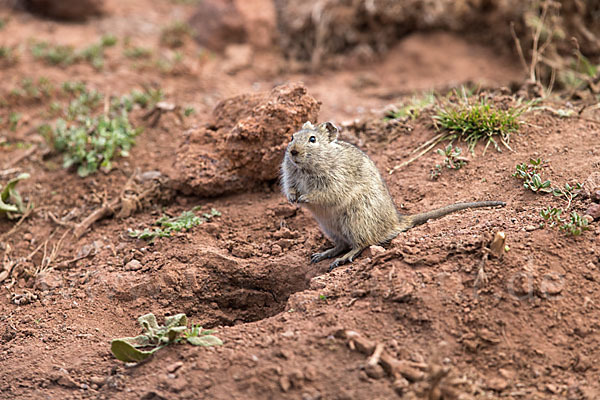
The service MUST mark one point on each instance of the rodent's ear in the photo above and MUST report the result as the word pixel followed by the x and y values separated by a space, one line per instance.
pixel 308 125
pixel 330 129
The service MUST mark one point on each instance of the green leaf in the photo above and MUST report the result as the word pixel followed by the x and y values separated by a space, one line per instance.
pixel 125 352
pixel 149 324
pixel 206 340
pixel 10 200
pixel 176 320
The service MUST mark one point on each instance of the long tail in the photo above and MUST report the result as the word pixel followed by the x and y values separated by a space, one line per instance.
pixel 410 221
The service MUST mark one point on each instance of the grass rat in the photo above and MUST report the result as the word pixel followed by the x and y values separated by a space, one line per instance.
pixel 346 194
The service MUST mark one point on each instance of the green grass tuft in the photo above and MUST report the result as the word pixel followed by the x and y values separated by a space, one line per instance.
pixel 480 121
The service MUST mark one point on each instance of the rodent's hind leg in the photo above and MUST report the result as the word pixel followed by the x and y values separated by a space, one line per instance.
pixel 346 258
pixel 330 253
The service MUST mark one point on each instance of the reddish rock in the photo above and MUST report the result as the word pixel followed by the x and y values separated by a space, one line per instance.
pixel 243 143
pixel 48 280
pixel 594 211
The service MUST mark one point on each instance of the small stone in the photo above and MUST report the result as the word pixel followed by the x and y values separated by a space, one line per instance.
pixel 97 380
pixel 47 280
pixel 133 265
pixel 374 371
pixel 288 334
pixel 400 385
pixel 552 388
pixel 506 373
pixel 551 287
pixel 178 384
pixel 276 250
pixel 530 228
pixel 497 384
pixel 593 211
pixel 296 378
pixel 174 367
pixel 310 373
pixel 63 378
pixel 372 251
pixel 285 384
pixel 27 237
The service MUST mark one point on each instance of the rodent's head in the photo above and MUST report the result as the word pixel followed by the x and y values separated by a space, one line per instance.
pixel 311 143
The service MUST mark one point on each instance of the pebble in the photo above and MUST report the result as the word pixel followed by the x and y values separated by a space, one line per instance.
pixel 375 371
pixel 133 265
pixel 530 228
pixel 63 378
pixel 276 250
pixel 498 384
pixel 174 367
pixel 285 383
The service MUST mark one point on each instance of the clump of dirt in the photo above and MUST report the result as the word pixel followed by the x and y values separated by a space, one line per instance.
pixel 217 23
pixel 242 144
pixel 75 10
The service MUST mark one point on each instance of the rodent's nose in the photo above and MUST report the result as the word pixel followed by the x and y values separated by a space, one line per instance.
pixel 294 152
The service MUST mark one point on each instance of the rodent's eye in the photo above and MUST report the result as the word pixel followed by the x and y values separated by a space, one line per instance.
pixel 312 139
pixel 292 139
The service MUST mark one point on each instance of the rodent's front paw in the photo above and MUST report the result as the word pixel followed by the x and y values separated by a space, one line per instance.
pixel 302 199
pixel 293 197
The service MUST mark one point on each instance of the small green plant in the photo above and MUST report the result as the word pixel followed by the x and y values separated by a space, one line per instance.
pixel 13 121
pixel 8 56
pixel 11 203
pixel 93 143
pixel 412 109
pixel 67 55
pixel 154 337
pixel 54 54
pixel 73 87
pixel 166 226
pixel 146 99
pixel 569 192
pixel 174 34
pixel 453 158
pixel 478 121
pixel 138 53
pixel 322 297
pixel 189 111
pixel 576 225
pixel 551 216
pixel 81 106
pixel 529 173
pixel 435 172
pixel 108 40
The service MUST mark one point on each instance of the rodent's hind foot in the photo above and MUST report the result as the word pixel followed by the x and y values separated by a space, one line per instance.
pixel 315 258
pixel 329 253
pixel 347 258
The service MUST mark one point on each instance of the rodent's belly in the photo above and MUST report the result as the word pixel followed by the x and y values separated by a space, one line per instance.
pixel 330 222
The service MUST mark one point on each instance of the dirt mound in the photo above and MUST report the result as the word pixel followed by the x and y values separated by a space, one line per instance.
pixel 316 30
pixel 242 145
pixel 319 31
